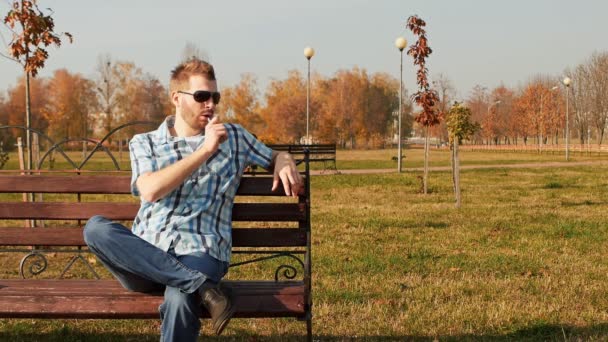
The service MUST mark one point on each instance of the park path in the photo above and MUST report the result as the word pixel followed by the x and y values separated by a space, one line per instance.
pixel 469 167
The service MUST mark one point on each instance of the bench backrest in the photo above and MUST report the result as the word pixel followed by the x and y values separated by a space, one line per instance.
pixel 316 151
pixel 263 218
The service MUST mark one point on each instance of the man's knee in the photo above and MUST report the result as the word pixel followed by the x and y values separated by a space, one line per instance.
pixel 96 229
pixel 184 304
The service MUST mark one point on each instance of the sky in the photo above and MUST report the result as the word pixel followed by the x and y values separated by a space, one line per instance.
pixel 474 42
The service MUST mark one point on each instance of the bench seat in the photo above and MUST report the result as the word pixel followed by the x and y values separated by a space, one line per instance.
pixel 34 298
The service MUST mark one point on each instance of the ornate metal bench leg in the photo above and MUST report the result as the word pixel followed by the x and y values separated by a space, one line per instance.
pixel 73 260
pixel 309 328
pixel 37 266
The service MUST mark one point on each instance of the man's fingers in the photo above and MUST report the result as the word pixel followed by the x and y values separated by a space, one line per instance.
pixel 295 185
pixel 275 183
pixel 286 185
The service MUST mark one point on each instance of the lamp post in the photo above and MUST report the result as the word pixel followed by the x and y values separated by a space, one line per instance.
pixel 400 43
pixel 308 53
pixel 567 82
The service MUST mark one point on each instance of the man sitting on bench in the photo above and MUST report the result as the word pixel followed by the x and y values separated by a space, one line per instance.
pixel 187 173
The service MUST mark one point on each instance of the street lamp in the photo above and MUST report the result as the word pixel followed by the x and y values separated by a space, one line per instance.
pixel 567 82
pixel 400 43
pixel 308 53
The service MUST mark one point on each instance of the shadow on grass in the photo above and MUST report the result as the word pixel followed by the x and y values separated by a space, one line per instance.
pixel 541 332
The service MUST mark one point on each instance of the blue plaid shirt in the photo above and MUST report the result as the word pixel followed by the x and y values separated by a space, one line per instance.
pixel 197 215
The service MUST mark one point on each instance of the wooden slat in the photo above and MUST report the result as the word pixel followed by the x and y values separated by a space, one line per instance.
pixel 128 211
pixel 107 299
pixel 250 186
pixel 268 212
pixel 66 184
pixel 63 236
pixel 68 211
pixel 259 186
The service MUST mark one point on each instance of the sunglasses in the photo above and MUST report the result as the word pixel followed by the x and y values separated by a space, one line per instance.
pixel 203 96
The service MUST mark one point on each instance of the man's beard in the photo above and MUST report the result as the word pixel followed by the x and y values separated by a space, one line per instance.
pixel 192 120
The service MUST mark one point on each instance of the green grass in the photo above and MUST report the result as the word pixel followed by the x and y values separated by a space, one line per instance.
pixel 382 159
pixel 523 259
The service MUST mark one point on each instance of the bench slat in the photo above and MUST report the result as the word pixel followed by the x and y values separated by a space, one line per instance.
pixel 66 184
pixel 87 184
pixel 107 299
pixel 127 211
pixel 241 237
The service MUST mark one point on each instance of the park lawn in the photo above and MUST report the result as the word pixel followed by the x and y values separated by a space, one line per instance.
pixel 524 259
pixel 414 158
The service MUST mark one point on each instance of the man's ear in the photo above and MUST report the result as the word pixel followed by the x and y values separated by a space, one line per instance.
pixel 175 98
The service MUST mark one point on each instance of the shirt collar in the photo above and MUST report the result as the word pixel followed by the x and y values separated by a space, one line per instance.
pixel 162 133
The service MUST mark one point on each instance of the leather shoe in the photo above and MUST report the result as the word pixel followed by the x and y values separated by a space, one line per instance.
pixel 219 306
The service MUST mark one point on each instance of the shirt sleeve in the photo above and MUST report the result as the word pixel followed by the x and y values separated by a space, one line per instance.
pixel 257 153
pixel 142 159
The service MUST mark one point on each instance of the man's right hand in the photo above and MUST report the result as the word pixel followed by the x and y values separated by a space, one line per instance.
pixel 215 134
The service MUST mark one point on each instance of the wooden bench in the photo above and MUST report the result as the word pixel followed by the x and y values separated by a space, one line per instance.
pixel 325 153
pixel 264 228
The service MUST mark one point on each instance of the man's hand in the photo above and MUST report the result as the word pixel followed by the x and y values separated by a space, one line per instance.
pixel 215 134
pixel 286 171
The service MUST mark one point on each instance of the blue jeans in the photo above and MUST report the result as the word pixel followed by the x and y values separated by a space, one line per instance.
pixel 142 267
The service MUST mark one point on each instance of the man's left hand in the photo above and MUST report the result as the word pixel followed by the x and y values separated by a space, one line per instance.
pixel 286 171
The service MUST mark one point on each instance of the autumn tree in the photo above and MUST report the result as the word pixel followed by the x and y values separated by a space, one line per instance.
pixel 285 110
pixel 240 104
pixel 127 94
pixel 425 97
pixel 478 101
pixel 32 31
pixel 15 106
pixel 71 102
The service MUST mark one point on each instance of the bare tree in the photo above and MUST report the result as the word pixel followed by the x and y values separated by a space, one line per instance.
pixel 192 51
pixel 598 92
pixel 447 92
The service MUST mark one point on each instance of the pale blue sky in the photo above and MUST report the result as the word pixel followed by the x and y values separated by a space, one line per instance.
pixel 474 41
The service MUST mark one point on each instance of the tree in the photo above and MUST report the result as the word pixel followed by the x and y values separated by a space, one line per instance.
pixel 446 92
pixel 192 51
pixel 71 101
pixel 460 127
pixel 240 104
pixel 598 92
pixel 425 97
pixel 285 110
pixel 16 110
pixel 32 32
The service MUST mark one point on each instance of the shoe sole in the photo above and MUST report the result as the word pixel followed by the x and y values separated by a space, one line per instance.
pixel 223 322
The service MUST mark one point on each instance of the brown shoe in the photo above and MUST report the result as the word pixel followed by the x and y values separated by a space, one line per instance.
pixel 219 306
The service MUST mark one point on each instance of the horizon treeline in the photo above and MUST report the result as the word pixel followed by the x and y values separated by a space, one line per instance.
pixel 352 108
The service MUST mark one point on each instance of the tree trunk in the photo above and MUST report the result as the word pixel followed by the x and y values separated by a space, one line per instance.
pixel 28 121
pixel 426 161
pixel 456 172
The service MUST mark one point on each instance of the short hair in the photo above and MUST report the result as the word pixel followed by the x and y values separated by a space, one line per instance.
pixel 194 66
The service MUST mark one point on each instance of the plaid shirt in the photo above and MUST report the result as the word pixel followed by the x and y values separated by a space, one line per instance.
pixel 197 215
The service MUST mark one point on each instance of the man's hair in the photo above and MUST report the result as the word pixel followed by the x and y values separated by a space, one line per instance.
pixel 194 66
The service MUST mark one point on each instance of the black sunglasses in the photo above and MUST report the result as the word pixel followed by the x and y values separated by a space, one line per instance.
pixel 203 96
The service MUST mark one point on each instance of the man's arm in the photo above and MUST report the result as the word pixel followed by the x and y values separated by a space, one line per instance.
pixel 154 185
pixel 284 169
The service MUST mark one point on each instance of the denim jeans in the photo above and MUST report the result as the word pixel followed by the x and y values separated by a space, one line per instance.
pixel 142 267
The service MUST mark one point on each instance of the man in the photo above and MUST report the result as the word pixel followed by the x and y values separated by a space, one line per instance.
pixel 186 173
